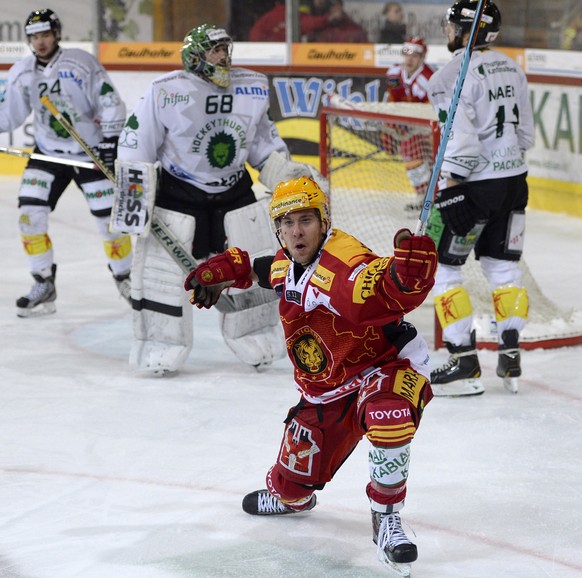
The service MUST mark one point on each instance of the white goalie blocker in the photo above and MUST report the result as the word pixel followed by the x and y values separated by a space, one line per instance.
pixel 254 333
pixel 278 169
pixel 135 194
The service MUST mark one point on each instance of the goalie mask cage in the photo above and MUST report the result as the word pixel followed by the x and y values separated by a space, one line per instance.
pixel 365 152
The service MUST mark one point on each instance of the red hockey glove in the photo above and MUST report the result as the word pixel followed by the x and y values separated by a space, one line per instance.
pixel 415 261
pixel 232 265
pixel 205 297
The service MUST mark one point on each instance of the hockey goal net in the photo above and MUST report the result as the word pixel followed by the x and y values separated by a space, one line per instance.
pixel 364 153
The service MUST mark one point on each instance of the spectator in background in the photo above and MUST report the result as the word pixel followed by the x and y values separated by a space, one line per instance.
pixel 572 36
pixel 394 29
pixel 340 28
pixel 270 27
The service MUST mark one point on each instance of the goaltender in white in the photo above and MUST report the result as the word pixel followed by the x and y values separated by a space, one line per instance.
pixel 201 124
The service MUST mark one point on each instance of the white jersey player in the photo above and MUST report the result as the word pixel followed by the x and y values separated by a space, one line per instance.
pixel 82 91
pixel 202 124
pixel 483 205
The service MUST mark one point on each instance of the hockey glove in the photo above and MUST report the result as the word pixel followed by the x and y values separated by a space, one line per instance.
pixel 107 150
pixel 205 297
pixel 458 211
pixel 415 261
pixel 223 269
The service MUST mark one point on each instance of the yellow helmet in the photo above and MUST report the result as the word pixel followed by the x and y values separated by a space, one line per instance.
pixel 298 195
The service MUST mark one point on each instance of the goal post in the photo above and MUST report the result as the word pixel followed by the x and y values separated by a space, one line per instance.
pixel 367 151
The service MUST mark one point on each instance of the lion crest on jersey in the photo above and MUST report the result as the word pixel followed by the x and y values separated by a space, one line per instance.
pixel 221 150
pixel 309 355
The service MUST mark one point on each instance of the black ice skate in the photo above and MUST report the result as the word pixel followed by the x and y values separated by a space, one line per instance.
pixel 459 375
pixel 509 360
pixel 42 296
pixel 262 503
pixel 393 546
pixel 123 283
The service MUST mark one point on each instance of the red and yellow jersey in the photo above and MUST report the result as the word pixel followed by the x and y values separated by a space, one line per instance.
pixel 341 316
pixel 404 88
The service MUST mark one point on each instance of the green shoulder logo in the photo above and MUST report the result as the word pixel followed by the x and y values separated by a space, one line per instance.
pixel 132 122
pixel 106 89
pixel 128 136
pixel 221 150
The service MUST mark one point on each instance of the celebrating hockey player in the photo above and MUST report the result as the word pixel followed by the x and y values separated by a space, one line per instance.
pixel 483 205
pixel 81 89
pixel 202 124
pixel 360 368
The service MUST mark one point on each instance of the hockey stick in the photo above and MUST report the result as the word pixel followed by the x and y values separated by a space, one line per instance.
pixel 430 190
pixel 46 158
pixel 161 232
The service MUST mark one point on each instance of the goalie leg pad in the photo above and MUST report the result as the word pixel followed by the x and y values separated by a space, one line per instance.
pixel 162 317
pixel 250 228
pixel 135 194
pixel 253 333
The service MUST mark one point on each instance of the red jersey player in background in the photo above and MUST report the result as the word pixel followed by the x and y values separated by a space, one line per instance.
pixel 408 82
pixel 361 370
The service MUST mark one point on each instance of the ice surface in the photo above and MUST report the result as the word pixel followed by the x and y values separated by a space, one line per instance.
pixel 106 474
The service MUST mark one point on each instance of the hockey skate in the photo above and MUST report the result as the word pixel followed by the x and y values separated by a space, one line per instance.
pixel 393 546
pixel 458 376
pixel 509 360
pixel 42 296
pixel 123 283
pixel 262 503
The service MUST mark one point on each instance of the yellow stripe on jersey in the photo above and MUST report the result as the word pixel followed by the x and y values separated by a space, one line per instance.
pixel 36 244
pixel 408 384
pixel 509 302
pixel 323 277
pixel 366 280
pixel 452 306
pixel 119 248
pixel 279 269
pixel 394 434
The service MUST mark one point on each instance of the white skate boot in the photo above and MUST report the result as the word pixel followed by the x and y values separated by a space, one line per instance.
pixel 42 296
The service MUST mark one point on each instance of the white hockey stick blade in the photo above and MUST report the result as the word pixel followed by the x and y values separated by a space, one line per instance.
pixel 46 158
pixel 460 388
pixel 511 384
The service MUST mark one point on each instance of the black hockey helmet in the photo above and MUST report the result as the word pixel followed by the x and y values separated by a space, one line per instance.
pixel 42 21
pixel 462 15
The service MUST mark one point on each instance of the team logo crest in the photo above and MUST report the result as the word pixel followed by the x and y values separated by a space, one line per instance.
pixel 221 150
pixel 309 355
pixel 299 449
pixel 128 136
